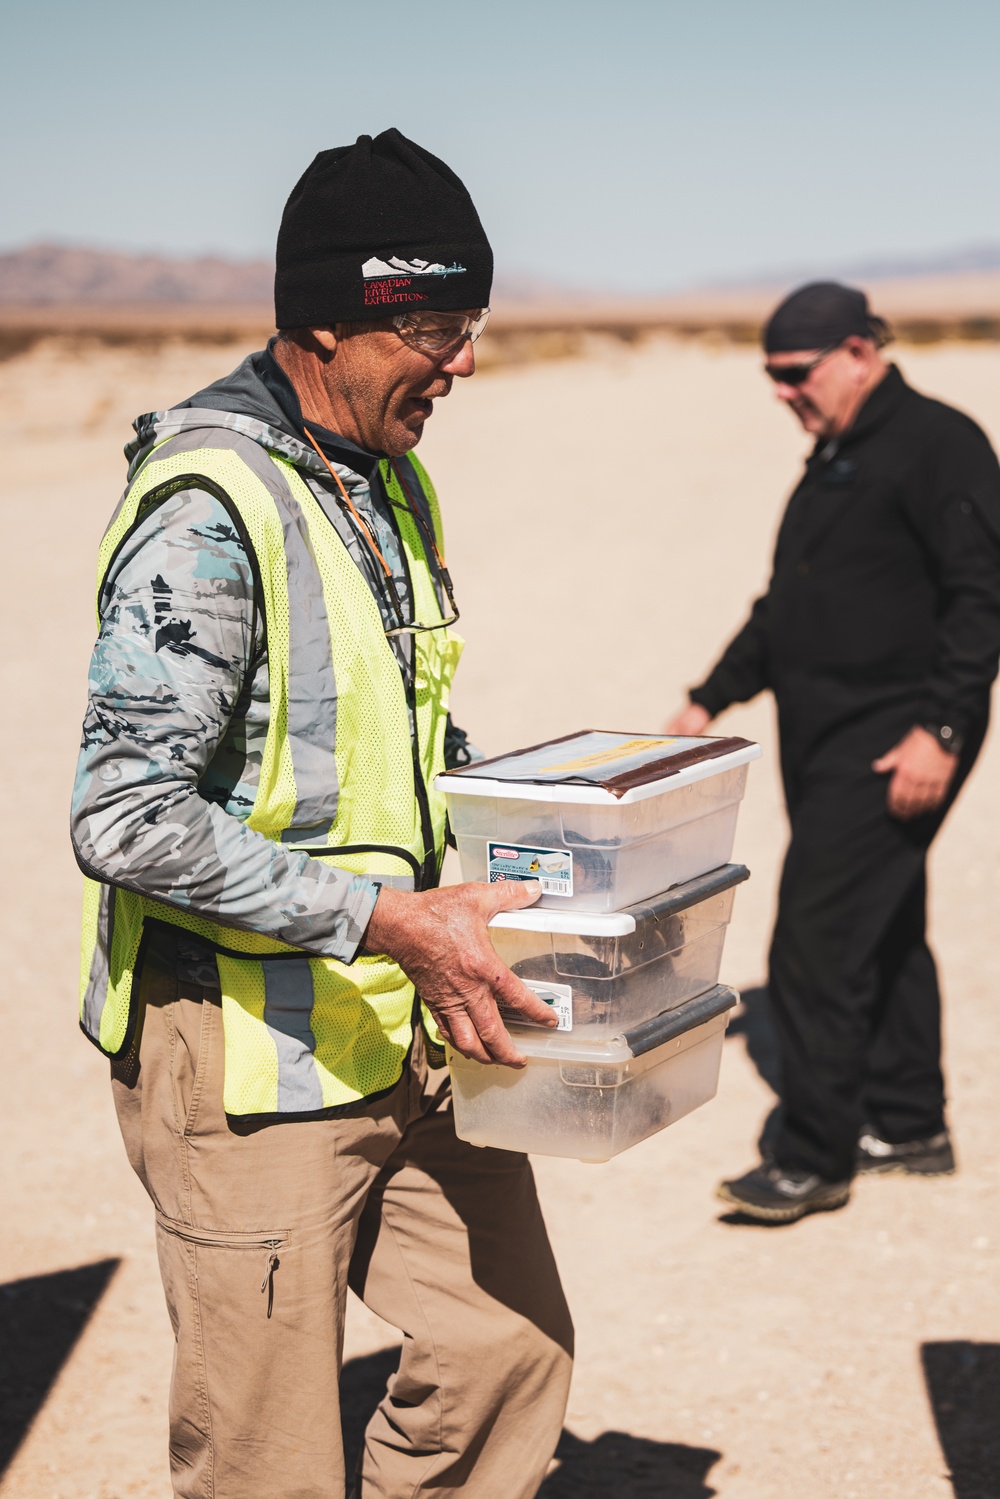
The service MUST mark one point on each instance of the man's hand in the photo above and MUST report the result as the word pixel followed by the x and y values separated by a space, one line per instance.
pixel 921 771
pixel 439 939
pixel 689 722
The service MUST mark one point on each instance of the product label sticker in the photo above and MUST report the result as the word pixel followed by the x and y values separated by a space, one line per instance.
pixel 552 867
pixel 559 996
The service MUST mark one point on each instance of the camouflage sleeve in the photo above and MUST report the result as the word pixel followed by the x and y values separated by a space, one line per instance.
pixel 177 656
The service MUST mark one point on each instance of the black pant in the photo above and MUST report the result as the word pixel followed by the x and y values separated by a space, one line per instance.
pixel 853 984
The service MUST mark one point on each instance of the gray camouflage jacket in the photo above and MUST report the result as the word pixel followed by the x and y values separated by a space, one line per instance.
pixel 178 702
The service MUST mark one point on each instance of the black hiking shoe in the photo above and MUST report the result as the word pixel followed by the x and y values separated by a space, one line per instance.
pixel 932 1156
pixel 782 1194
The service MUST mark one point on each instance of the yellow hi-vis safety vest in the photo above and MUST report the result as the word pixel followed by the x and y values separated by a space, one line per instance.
pixel 302 1034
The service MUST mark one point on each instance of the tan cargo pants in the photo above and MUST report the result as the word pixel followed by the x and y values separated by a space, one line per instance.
pixel 260 1231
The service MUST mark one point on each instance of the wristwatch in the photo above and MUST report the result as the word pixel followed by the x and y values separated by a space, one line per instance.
pixel 947 737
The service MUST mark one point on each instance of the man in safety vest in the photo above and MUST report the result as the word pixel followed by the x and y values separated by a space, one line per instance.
pixel 266 957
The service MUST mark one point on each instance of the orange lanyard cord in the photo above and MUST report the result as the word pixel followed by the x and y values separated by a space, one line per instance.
pixel 347 501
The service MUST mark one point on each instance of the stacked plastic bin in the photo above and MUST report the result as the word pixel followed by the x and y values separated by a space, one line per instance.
pixel 630 837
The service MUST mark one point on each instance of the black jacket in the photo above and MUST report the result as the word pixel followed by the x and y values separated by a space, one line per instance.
pixel 884 603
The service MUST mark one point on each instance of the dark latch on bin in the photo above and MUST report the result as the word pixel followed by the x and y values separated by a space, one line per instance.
pixel 661 1028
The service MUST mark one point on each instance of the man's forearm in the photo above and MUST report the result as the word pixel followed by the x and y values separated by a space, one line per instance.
pixel 957 689
pixel 176 650
pixel 742 669
pixel 172 846
pixel 955 525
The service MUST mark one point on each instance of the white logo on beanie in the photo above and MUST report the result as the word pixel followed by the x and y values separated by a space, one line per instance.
pixel 394 266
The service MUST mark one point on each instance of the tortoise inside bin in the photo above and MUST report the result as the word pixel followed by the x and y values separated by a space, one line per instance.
pixel 616 970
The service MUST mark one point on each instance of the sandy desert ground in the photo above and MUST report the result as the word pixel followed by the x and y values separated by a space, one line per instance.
pixel 608 520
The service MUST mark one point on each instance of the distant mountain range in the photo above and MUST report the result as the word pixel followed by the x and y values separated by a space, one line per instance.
pixel 963 262
pixel 955 263
pixel 47 275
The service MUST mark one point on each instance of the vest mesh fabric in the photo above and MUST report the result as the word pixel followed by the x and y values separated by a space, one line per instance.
pixel 436 652
pixel 374 747
pixel 360 1017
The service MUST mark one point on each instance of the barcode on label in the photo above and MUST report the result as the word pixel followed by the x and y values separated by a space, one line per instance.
pixel 554 887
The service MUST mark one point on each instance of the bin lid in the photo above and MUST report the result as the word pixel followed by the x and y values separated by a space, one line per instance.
pixel 623 923
pixel 598 766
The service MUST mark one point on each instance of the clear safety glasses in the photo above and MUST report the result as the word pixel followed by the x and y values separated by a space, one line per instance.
pixel 437 333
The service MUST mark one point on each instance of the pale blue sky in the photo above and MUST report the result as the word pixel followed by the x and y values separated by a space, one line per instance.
pixel 622 144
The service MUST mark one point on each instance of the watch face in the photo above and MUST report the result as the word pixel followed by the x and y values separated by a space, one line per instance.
pixel 945 736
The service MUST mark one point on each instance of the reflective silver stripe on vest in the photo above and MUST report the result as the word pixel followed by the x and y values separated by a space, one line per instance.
pixel 312 685
pixel 97 983
pixel 288 1002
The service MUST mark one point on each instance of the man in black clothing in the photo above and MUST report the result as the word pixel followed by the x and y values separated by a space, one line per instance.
pixel 879 636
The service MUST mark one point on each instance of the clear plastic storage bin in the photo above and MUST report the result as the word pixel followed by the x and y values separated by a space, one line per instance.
pixel 605 973
pixel 590 1102
pixel 602 820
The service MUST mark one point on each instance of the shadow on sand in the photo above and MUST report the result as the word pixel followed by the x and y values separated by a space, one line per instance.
pixel 963 1384
pixel 753 1022
pixel 40 1320
pixel 613 1466
pixel 616 1465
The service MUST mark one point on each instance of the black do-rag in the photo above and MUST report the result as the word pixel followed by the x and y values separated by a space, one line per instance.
pixel 819 316
pixel 377 228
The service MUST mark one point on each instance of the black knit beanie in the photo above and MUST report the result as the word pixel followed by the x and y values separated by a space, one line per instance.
pixel 377 228
pixel 819 316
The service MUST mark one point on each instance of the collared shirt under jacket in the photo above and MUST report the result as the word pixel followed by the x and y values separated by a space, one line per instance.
pixel 884 601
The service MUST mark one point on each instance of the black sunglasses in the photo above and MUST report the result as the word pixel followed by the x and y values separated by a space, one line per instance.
pixel 797 374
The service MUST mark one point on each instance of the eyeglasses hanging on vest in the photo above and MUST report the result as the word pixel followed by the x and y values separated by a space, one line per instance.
pixel 442 577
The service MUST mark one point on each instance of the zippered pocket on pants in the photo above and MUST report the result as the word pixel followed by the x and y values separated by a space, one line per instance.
pixel 269 1244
